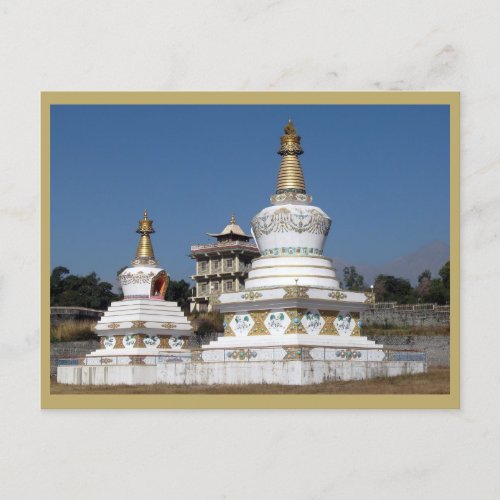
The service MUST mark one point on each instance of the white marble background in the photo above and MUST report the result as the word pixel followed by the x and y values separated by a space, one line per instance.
pixel 248 45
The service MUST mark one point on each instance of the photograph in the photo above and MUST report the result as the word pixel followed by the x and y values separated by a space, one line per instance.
pixel 250 250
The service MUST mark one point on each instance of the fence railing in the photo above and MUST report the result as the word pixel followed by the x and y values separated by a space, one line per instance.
pixel 410 307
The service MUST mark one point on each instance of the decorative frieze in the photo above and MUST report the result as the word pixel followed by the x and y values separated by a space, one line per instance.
pixel 293 251
pixel 169 326
pixel 292 321
pixel 347 354
pixel 290 196
pixel 277 322
pixel 241 355
pixel 136 278
pixel 251 295
pixel 296 292
pixel 241 324
pixel 138 324
pixel 298 220
pixel 176 342
pixel 295 326
pixel 297 354
pixel 259 328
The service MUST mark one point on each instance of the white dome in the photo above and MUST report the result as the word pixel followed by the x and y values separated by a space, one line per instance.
pixel 143 282
pixel 291 229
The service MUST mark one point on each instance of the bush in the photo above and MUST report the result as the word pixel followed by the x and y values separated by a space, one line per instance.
pixel 207 323
pixel 72 330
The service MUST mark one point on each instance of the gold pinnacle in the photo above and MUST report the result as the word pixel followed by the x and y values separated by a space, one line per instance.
pixel 290 176
pixel 145 248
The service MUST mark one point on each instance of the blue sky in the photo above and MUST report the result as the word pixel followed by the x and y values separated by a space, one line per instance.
pixel 380 172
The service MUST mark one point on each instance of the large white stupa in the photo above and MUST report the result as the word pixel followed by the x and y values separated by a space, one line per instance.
pixel 292 296
pixel 293 324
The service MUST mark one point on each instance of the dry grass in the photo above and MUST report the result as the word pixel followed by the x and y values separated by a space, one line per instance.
pixel 73 330
pixel 435 381
pixel 405 330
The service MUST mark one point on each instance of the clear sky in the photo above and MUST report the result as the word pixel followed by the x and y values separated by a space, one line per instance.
pixel 380 172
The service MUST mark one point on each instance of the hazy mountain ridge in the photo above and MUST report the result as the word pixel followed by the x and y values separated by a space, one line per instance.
pixel 431 256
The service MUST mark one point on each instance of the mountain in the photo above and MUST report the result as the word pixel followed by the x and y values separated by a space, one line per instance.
pixel 431 256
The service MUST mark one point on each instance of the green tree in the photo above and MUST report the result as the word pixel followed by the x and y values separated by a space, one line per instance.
pixel 180 292
pixel 444 272
pixel 79 291
pixel 424 284
pixel 438 293
pixel 391 289
pixel 56 282
pixel 353 280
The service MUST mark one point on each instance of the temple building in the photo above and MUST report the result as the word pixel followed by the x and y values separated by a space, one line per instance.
pixel 223 266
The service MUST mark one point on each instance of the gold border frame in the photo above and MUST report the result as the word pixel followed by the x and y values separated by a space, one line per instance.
pixel 279 401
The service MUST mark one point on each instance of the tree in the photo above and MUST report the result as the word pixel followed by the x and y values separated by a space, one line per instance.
pixel 180 292
pixel 79 291
pixel 424 284
pixel 353 280
pixel 56 282
pixel 391 289
pixel 444 272
pixel 438 293
pixel 436 290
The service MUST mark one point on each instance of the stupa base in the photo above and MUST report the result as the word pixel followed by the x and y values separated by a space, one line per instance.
pixel 242 370
pixel 301 373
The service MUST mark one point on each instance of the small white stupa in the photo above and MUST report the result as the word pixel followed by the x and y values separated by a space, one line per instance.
pixel 143 323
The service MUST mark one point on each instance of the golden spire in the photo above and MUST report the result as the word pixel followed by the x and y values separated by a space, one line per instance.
pixel 144 253
pixel 233 220
pixel 290 176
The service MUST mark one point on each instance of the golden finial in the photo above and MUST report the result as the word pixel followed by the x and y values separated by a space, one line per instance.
pixel 144 253
pixel 290 128
pixel 290 176
pixel 233 220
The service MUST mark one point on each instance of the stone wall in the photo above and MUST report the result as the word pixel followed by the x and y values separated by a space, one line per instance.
pixel 418 315
pixel 70 350
pixel 59 314
pixel 437 347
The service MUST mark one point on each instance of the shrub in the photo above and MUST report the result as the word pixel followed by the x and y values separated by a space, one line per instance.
pixel 73 330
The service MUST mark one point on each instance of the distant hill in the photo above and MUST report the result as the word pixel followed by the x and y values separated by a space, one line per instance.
pixel 431 256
